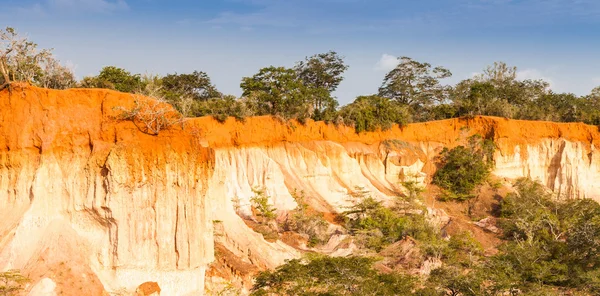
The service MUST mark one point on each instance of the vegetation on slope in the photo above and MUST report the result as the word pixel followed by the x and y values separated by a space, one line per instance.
pixel 549 247
pixel 461 168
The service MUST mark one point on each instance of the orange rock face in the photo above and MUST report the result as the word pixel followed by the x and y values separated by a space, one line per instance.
pixel 138 207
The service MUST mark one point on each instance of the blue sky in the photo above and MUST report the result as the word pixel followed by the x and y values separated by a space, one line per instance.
pixel 556 40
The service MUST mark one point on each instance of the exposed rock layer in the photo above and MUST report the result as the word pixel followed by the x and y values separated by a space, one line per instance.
pixel 75 182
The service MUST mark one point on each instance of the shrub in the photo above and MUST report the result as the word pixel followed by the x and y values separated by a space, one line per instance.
pixel 306 221
pixel 266 215
pixel 369 113
pixel 376 226
pixel 462 168
pixel 221 108
pixel 151 115
pixel 551 243
pixel 331 276
pixel 260 201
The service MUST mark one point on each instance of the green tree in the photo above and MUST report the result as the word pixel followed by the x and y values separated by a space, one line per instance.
pixel 461 169
pixel 307 221
pixel 260 201
pixel 220 108
pixel 551 243
pixel 196 85
pixel 121 79
pixel 21 60
pixel 322 73
pixel 369 113
pixel 456 281
pixel 415 84
pixel 331 276
pixel 278 91
pixel 116 78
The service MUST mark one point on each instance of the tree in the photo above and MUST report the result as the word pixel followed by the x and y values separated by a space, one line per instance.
pixel 322 73
pixel 456 282
pixel 20 60
pixel 116 78
pixel 415 84
pixel 331 276
pixel 196 85
pixel 461 169
pixel 369 113
pixel 278 91
pixel 56 76
pixel 121 79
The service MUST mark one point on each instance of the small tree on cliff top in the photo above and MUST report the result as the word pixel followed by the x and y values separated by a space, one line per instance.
pixel 20 60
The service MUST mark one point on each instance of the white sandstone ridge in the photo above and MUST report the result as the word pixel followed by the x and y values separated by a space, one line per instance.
pixel 91 202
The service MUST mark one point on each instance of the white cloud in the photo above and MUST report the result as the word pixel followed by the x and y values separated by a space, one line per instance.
pixel 386 63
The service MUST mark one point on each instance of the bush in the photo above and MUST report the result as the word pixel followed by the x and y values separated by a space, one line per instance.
pixel 260 201
pixel 307 221
pixel 376 226
pixel 461 169
pixel 369 113
pixel 331 276
pixel 551 243
pixel 151 115
pixel 221 108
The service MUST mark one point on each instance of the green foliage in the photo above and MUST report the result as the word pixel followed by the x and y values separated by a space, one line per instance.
pixel 331 276
pixel 306 221
pixel 260 201
pixel 455 281
pixel 322 73
pixel 415 84
pixel 461 169
pixel 116 78
pixel 550 243
pixel 266 215
pixel 196 85
pixel 11 282
pixel 376 226
pixel 369 113
pixel 21 60
pixel 220 108
pixel 278 91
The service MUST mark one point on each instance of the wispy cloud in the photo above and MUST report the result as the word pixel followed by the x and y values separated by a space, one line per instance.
pixel 386 63
pixel 267 16
pixel 72 6
pixel 531 11
pixel 90 5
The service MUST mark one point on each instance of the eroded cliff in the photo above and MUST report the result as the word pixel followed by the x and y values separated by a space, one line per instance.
pixel 85 194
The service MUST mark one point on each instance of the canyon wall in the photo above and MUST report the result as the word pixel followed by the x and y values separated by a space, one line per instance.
pixel 86 194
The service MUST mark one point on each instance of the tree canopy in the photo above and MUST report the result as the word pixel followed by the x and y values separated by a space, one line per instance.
pixel 415 84
pixel 21 60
